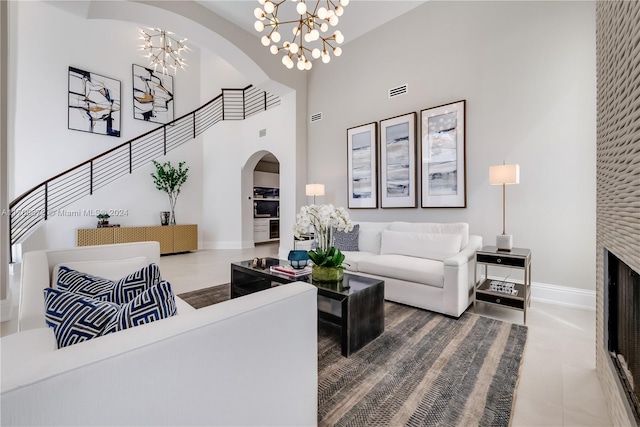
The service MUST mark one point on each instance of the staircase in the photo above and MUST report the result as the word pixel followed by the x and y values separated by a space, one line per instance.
pixel 35 205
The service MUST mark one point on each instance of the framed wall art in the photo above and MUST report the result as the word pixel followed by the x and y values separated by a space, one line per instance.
pixel 362 166
pixel 152 95
pixel 94 103
pixel 443 156
pixel 398 162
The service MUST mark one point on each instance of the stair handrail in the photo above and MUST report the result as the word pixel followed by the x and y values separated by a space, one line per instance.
pixel 267 100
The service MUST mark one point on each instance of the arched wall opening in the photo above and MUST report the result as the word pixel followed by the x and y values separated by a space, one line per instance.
pixel 231 152
pixel 259 178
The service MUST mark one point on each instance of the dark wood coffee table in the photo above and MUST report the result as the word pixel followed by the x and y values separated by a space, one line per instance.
pixel 356 304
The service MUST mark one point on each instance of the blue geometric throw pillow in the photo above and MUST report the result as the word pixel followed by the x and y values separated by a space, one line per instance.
pixel 76 318
pixel 155 303
pixel 84 284
pixel 134 284
pixel 119 292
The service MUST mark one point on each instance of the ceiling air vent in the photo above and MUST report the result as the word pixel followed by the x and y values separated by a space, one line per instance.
pixel 316 117
pixel 397 91
pixel 262 132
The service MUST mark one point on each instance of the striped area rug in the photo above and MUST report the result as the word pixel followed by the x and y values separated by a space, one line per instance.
pixel 207 296
pixel 426 369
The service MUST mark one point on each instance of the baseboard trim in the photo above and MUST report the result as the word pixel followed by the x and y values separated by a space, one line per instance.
pixel 561 295
pixel 564 296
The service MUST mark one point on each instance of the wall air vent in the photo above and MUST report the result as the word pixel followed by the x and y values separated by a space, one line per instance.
pixel 397 91
pixel 316 117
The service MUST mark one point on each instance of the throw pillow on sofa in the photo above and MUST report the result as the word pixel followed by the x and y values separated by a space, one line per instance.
pixel 157 302
pixel 460 228
pixel 119 292
pixel 112 269
pixel 421 245
pixel 346 240
pixel 76 318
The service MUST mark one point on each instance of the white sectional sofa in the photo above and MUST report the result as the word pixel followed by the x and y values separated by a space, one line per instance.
pixel 239 362
pixel 426 265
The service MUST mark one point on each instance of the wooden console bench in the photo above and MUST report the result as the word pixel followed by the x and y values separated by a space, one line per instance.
pixel 172 238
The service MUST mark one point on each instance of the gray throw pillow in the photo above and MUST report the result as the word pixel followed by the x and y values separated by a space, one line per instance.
pixel 346 240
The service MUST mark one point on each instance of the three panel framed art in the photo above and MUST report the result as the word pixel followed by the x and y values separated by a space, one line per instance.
pixel 442 165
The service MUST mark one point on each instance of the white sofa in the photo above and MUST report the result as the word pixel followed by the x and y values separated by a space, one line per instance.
pixel 239 362
pixel 426 265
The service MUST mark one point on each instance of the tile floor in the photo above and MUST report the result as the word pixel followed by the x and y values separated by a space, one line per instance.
pixel 558 384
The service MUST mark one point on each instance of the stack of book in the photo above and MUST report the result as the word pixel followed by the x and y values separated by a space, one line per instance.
pixel 290 271
pixel 503 287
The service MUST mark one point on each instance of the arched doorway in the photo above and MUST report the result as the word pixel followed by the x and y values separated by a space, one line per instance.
pixel 260 182
pixel 266 200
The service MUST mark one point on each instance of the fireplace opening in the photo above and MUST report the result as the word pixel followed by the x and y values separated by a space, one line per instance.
pixel 623 326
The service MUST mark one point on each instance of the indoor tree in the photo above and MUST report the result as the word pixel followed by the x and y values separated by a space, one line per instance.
pixel 169 179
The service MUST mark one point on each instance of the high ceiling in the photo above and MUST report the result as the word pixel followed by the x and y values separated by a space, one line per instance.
pixel 360 16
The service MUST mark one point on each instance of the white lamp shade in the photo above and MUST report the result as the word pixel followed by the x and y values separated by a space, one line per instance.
pixel 504 174
pixel 314 189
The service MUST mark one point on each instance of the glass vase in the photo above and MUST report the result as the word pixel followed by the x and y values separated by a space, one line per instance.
pixel 326 274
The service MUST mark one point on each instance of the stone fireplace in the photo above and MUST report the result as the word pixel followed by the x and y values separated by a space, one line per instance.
pixel 618 196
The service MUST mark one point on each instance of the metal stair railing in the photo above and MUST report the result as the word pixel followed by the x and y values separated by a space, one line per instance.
pixel 47 198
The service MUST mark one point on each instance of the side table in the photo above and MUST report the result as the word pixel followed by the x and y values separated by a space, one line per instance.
pixel 518 258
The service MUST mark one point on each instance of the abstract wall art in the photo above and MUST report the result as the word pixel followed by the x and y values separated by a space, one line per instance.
pixel 398 162
pixel 152 95
pixel 443 156
pixel 94 103
pixel 362 166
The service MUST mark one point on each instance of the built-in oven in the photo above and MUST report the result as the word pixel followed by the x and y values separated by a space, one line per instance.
pixel 274 229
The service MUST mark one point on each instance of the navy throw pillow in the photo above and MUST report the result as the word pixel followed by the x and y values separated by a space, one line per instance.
pixel 75 318
pixel 155 303
pixel 119 292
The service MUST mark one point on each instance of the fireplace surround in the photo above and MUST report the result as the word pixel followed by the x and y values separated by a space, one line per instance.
pixel 617 175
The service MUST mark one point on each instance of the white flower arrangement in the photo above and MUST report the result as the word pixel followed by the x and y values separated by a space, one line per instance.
pixel 322 218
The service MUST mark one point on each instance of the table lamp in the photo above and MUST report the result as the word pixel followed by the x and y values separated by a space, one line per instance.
pixel 314 190
pixel 504 175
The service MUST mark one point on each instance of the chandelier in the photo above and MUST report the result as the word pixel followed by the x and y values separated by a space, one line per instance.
pixel 311 26
pixel 166 52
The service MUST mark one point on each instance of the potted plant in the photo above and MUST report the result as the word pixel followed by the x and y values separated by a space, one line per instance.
pixel 103 219
pixel 170 179
pixel 327 259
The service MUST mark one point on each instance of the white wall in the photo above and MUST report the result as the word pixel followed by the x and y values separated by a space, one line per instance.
pixel 4 174
pixel 109 45
pixel 527 72
pixel 231 151
pixel 49 40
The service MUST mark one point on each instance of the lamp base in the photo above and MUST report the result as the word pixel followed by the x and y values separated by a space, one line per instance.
pixel 504 242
